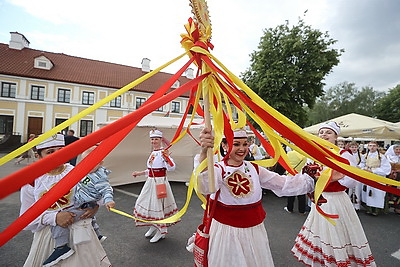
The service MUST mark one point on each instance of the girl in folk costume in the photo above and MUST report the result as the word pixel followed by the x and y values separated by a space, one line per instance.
pixel 393 155
pixel 320 243
pixel 355 192
pixel 152 204
pixel 237 233
pixel 377 163
pixel 84 246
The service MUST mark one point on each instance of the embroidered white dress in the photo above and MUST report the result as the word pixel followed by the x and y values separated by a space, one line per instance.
pixel 379 165
pixel 88 253
pixel 241 186
pixel 319 243
pixel 148 206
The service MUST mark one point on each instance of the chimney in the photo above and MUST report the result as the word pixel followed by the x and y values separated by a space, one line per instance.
pixel 18 41
pixel 189 73
pixel 146 65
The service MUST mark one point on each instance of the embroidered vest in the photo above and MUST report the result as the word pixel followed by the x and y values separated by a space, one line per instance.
pixel 373 163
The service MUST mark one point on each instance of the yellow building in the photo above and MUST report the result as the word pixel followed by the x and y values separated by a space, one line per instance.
pixel 40 90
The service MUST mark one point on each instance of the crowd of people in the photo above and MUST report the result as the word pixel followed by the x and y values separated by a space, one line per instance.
pixel 68 230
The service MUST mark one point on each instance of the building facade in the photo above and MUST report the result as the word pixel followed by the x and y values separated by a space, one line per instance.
pixel 40 90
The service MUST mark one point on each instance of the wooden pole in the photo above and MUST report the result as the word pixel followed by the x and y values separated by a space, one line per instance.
pixel 210 154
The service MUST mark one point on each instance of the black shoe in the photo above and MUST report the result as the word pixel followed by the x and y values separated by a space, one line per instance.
pixel 60 253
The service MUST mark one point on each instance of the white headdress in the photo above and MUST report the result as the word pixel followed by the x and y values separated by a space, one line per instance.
pixel 155 133
pixel 239 133
pixel 390 152
pixel 54 141
pixel 330 125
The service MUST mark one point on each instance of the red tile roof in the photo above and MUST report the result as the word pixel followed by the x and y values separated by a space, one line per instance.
pixel 77 70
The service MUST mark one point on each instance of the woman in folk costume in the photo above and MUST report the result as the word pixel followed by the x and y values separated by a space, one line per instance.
pixel 393 155
pixel 237 234
pixel 85 248
pixel 151 205
pixel 377 163
pixel 320 243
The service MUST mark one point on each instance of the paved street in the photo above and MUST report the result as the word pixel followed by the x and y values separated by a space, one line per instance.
pixel 127 246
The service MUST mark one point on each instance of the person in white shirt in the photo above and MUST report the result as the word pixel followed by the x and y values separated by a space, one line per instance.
pixel 376 163
pixel 255 150
pixel 355 192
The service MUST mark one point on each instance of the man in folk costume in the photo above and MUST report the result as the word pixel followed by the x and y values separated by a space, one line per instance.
pixel 376 163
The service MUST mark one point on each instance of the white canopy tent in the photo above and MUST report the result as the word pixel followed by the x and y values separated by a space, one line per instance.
pixel 359 126
pixel 132 153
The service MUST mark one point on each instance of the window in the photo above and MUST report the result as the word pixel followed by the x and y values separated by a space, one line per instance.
pixel 37 92
pixel 86 127
pixel 59 121
pixel 88 98
pixel 42 64
pixel 6 124
pixel 140 101
pixel 64 95
pixel 8 89
pixel 116 102
pixel 176 84
pixel 160 109
pixel 175 107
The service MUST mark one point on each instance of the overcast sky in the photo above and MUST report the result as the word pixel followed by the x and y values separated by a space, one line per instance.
pixel 125 31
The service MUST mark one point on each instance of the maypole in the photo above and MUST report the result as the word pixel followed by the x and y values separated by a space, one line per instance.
pixel 201 16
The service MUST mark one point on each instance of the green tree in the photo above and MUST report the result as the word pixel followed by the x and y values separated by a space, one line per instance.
pixel 288 69
pixel 343 99
pixel 365 101
pixel 388 107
